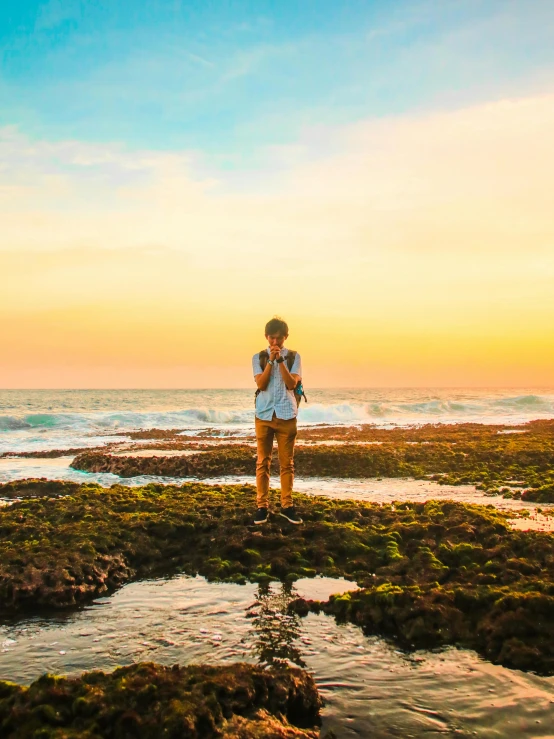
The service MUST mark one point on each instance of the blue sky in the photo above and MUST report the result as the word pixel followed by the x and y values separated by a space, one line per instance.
pixel 229 78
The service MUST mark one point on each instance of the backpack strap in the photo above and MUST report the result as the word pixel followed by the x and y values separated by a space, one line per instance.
pixel 263 356
pixel 298 389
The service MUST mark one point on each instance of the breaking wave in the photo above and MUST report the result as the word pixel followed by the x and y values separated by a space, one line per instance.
pixel 517 409
pixel 234 410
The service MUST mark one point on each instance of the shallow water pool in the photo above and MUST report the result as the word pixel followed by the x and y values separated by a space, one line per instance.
pixel 370 687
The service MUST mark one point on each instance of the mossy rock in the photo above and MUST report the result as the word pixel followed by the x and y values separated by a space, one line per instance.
pixel 540 494
pixel 147 700
pixel 456 455
pixel 52 555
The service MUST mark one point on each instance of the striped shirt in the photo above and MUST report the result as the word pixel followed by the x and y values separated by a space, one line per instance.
pixel 276 398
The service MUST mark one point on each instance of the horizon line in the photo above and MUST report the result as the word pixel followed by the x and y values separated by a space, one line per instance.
pixel 342 387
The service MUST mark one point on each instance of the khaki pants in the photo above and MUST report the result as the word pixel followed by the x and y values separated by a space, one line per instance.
pixel 285 431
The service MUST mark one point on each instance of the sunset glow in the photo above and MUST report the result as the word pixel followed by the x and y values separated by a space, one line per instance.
pixel 412 246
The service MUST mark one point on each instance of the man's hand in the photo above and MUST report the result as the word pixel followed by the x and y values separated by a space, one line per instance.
pixel 275 352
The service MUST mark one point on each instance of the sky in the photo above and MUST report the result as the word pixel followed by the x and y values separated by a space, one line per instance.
pixel 173 174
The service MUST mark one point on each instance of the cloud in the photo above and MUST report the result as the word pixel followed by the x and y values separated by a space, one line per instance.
pixel 200 60
pixel 471 180
pixel 419 248
pixel 428 206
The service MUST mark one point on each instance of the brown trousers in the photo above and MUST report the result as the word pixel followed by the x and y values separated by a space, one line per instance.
pixel 285 431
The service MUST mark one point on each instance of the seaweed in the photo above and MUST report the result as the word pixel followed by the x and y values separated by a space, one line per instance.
pixel 469 454
pixel 148 701
pixel 431 573
pixel 541 493
pixel 505 625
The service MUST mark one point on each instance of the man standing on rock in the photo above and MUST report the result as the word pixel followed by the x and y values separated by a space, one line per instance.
pixel 277 371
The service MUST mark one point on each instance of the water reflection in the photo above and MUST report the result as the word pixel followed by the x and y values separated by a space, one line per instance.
pixel 370 688
pixel 275 632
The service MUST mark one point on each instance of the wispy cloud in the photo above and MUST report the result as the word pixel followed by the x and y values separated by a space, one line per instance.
pixel 239 82
pixel 200 60
pixel 473 181
pixel 434 228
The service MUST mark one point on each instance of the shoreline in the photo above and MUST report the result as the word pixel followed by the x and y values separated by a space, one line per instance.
pixel 413 561
pixel 431 573
pixel 483 455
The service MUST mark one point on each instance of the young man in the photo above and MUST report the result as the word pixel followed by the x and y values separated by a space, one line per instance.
pixel 276 411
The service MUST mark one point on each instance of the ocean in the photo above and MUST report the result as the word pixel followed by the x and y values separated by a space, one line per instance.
pixel 37 420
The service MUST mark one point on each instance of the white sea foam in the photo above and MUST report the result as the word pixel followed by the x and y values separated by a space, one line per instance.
pixel 33 420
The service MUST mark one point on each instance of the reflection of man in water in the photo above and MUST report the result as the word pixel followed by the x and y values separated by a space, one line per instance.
pixel 275 629
pixel 276 411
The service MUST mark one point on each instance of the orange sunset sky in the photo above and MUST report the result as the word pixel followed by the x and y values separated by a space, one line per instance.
pixel 407 237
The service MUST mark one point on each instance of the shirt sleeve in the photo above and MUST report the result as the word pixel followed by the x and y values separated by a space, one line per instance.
pixel 297 366
pixel 256 366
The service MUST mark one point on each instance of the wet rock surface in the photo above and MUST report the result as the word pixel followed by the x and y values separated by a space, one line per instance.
pixel 147 700
pixel 540 494
pixel 46 453
pixel 488 456
pixel 33 488
pixel 238 460
pixel 509 628
pixel 432 574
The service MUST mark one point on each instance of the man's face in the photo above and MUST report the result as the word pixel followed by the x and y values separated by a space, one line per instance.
pixel 276 340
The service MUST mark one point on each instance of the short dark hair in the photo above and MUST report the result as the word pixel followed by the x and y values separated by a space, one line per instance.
pixel 276 326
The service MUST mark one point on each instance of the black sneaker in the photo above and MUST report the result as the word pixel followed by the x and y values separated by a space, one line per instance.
pixel 261 515
pixel 291 515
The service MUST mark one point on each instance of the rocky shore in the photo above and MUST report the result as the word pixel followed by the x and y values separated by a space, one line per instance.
pixel 431 574
pixel 491 457
pixel 147 701
pixel 37 488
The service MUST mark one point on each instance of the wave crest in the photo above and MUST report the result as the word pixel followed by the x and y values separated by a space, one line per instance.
pixel 385 408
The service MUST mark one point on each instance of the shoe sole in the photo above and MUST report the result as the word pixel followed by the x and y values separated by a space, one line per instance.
pixel 259 523
pixel 291 520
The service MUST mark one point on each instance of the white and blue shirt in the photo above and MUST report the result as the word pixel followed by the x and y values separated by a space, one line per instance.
pixel 276 399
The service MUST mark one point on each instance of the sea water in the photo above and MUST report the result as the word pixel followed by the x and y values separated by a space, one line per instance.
pixel 32 420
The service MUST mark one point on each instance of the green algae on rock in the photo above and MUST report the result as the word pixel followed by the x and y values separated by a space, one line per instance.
pixel 507 627
pixel 48 453
pixel 432 574
pixel 37 488
pixel 471 453
pixel 147 701
pixel 235 460
pixel 541 493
